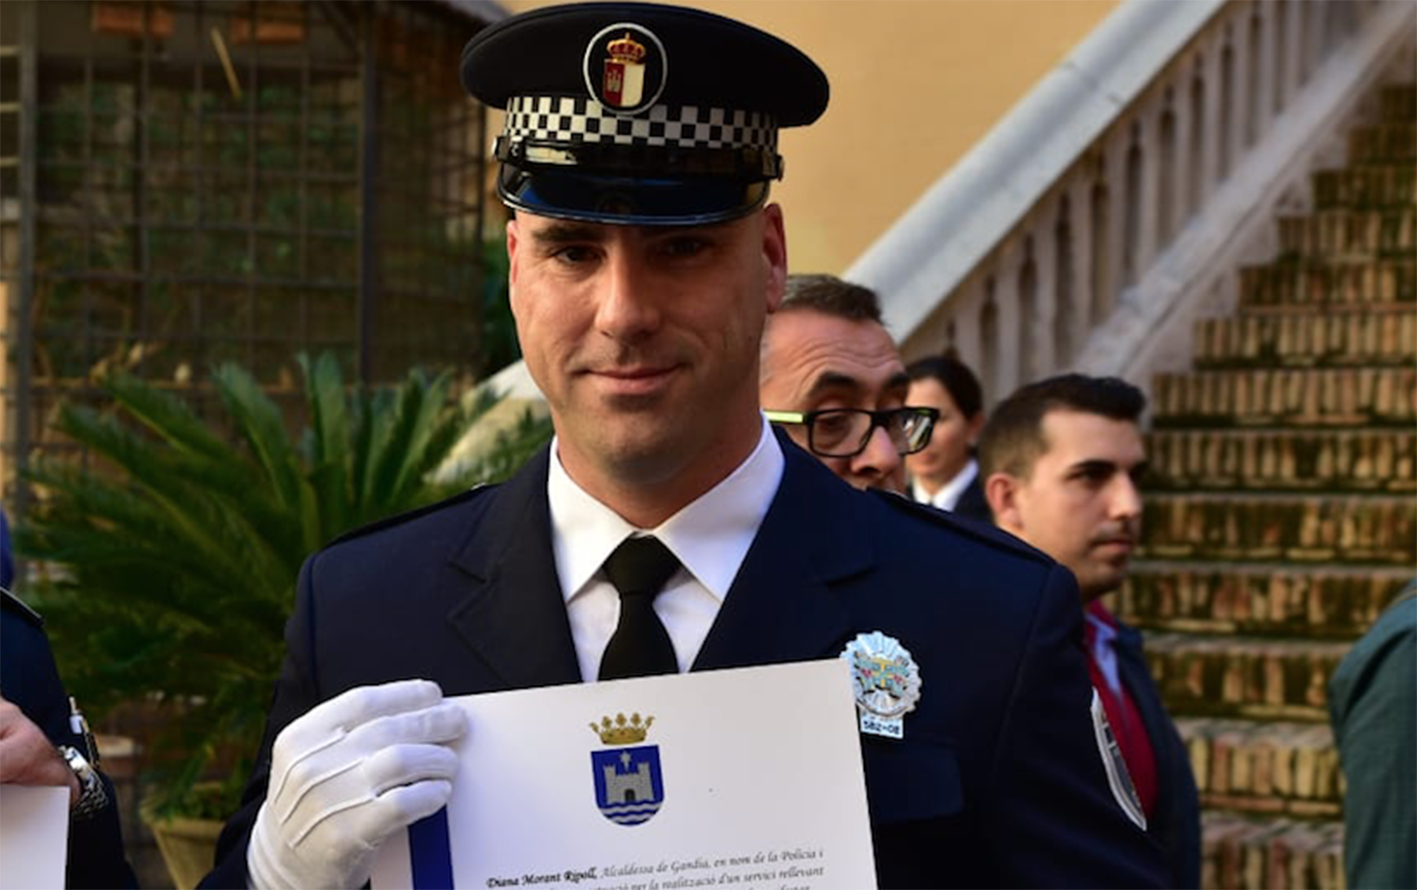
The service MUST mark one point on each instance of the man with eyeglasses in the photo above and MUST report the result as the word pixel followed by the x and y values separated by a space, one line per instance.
pixel 831 376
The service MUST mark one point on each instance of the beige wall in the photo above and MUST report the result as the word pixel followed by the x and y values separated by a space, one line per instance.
pixel 915 83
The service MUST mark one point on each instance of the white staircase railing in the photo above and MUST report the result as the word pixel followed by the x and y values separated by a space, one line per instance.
pixel 1089 228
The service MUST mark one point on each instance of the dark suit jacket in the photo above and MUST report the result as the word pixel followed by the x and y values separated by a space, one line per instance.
pixel 998 781
pixel 29 679
pixel 972 504
pixel 1176 821
pixel 1372 702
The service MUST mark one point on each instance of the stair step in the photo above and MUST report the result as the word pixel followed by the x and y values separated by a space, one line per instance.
pixel 1318 603
pixel 1280 518
pixel 1283 460
pixel 1317 283
pixel 1247 852
pixel 1329 310
pixel 1366 186
pixel 1354 234
pixel 1379 529
pixel 1243 676
pixel 1390 141
pixel 1399 102
pixel 1375 337
pixel 1275 768
pixel 1292 397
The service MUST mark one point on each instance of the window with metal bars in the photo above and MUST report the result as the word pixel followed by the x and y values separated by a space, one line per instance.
pixel 187 183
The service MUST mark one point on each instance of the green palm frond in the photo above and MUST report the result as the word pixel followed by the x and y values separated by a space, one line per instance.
pixel 167 416
pixel 258 422
pixel 170 570
pixel 328 442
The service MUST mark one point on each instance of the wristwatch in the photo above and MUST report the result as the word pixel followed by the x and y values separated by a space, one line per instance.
pixel 92 794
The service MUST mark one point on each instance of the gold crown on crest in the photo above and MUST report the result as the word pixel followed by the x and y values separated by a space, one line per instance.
pixel 626 49
pixel 621 731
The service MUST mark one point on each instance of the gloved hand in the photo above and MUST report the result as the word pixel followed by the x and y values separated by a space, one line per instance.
pixel 347 775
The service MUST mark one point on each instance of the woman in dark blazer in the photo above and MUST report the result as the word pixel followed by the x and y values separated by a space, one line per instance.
pixel 944 473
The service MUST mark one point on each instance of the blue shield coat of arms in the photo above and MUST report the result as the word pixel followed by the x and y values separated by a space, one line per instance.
pixel 628 786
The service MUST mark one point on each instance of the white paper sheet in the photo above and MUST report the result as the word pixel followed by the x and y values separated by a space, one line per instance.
pixel 34 836
pixel 759 769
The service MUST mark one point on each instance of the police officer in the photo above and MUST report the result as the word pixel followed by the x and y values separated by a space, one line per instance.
pixel 640 144
pixel 44 741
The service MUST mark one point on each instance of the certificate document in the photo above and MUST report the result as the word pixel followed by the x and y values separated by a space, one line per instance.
pixel 34 836
pixel 749 777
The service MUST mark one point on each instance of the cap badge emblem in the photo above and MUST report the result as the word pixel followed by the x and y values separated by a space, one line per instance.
pixel 625 68
pixel 885 680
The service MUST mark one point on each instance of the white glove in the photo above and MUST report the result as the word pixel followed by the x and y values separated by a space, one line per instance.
pixel 347 775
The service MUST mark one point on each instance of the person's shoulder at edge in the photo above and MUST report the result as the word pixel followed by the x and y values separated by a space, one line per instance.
pixel 14 605
pixel 1395 627
pixel 7 559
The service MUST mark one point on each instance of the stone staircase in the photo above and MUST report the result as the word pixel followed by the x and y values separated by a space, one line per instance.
pixel 1282 514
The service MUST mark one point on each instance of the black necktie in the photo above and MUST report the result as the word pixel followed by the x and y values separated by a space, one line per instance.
pixel 640 646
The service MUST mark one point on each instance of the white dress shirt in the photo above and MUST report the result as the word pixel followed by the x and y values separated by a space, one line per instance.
pixel 1103 653
pixel 710 537
pixel 948 495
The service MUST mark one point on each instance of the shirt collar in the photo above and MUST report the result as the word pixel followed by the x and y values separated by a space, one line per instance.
pixel 710 536
pixel 948 495
pixel 1101 624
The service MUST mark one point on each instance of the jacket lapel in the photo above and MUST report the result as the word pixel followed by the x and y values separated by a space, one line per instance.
pixel 514 617
pixel 781 607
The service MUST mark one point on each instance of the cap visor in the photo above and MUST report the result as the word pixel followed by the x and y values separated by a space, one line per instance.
pixel 624 200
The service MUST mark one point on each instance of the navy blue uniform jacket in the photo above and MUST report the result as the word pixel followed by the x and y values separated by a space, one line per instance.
pixel 972 504
pixel 998 781
pixel 29 680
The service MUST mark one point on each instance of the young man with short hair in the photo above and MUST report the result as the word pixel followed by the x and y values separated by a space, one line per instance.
pixel 1062 461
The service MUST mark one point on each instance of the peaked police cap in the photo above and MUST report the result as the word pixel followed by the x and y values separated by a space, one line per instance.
pixel 639 113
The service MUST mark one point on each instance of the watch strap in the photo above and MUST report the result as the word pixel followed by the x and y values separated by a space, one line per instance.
pixel 93 795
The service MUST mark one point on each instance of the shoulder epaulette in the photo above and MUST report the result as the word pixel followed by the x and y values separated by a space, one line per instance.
pixel 991 535
pixel 13 603
pixel 400 518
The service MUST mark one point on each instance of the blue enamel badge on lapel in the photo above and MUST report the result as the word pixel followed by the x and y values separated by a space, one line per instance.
pixel 629 785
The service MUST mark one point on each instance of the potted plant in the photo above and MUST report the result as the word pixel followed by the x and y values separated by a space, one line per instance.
pixel 169 560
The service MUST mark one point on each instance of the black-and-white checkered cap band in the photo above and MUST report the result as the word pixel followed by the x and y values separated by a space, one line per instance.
pixel 578 120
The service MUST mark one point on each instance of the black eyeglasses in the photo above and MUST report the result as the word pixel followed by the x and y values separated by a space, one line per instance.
pixel 845 432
